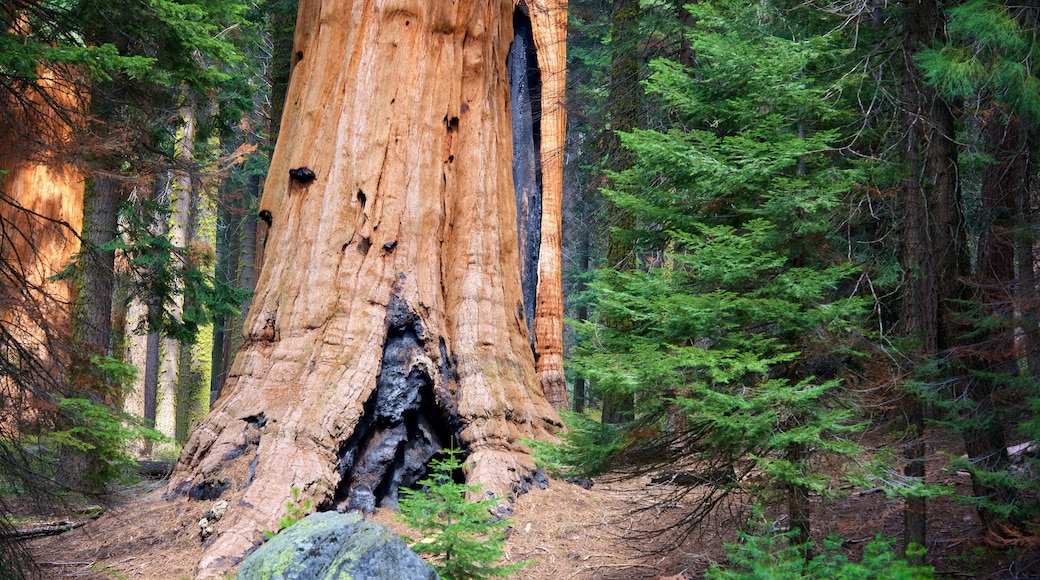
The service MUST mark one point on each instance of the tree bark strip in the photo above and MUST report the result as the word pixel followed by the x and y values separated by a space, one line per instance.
pixel 549 22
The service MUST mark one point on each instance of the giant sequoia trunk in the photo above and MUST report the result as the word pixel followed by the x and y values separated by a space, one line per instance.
pixel 41 208
pixel 388 319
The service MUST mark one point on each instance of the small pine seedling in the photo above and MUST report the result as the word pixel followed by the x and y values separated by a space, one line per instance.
pixel 463 538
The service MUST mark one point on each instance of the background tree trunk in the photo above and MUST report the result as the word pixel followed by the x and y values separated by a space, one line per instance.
pixel 624 111
pixel 387 317
pixel 932 233
pixel 994 356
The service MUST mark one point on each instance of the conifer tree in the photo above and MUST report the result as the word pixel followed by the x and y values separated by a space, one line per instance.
pixel 736 313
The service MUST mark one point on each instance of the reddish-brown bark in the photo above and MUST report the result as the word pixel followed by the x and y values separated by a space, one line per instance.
pixel 549 24
pixel 391 255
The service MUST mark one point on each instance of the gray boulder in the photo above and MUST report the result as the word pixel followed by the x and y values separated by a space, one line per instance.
pixel 330 545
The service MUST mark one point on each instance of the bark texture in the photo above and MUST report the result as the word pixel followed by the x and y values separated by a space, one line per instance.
pixel 549 25
pixel 388 315
pixel 931 235
pixel 41 208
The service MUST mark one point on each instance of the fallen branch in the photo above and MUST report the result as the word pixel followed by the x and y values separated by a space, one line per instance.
pixel 51 529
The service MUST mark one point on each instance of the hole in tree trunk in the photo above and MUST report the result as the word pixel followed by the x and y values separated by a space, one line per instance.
pixel 402 426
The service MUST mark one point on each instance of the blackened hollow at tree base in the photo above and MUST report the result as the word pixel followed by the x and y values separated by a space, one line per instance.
pixel 403 425
pixel 405 422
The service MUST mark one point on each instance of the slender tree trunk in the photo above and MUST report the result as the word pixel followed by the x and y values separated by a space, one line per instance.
pixel 159 388
pixel 96 283
pixel 232 209
pixel 177 355
pixel 151 377
pixel 387 317
pixel 249 262
pixel 798 501
pixel 624 111
pixel 932 238
pixel 1028 288
pixel 995 281
pixel 582 314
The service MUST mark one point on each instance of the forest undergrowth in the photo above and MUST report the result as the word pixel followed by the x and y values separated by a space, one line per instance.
pixel 566 531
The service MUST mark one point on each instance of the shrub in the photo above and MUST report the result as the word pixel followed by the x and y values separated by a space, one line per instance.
pixel 764 554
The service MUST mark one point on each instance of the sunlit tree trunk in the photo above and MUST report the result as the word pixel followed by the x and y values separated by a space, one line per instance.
pixel 183 234
pixel 387 320
pixel 549 23
pixel 41 210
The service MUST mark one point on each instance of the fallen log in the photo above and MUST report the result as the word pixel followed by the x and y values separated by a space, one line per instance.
pixel 40 530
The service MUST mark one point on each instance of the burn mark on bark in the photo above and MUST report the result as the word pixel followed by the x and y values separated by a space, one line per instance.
pixel 537 479
pixel 213 486
pixel 449 368
pixel 389 247
pixel 525 88
pixel 361 198
pixel 302 175
pixel 401 427
pixel 452 124
pixel 269 333
pixel 299 55
pixel 363 245
pixel 262 233
pixel 209 490
pixel 258 421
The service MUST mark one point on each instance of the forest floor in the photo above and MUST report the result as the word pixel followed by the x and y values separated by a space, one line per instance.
pixel 565 532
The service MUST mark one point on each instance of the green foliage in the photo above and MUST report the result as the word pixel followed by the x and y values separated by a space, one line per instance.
pixel 162 271
pixel 21 59
pixel 585 450
pixel 767 554
pixel 462 536
pixel 119 374
pixel 740 318
pixel 956 413
pixel 294 512
pixel 882 470
pixel 103 433
pixel 991 45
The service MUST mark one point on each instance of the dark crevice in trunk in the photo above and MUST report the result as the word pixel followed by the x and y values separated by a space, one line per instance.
pixel 211 488
pixel 403 424
pixel 525 92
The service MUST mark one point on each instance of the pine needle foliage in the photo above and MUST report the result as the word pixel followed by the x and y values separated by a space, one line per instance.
pixel 990 52
pixel 740 316
pixel 764 553
pixel 463 538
